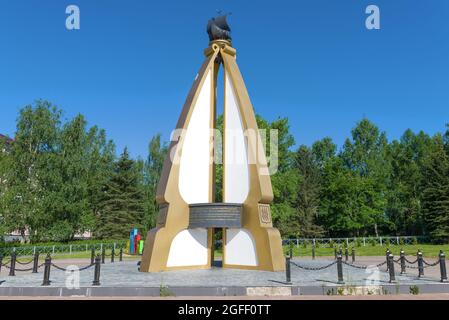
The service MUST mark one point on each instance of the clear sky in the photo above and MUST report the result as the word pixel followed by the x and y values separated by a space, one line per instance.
pixel 130 66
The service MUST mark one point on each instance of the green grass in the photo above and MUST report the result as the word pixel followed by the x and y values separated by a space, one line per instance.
pixel 428 250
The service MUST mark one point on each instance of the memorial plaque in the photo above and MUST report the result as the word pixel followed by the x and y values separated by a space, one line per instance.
pixel 215 215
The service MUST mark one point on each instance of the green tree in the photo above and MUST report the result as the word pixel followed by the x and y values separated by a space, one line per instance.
pixel 152 167
pixel 435 191
pixel 5 164
pixel 366 156
pixel 123 201
pixel 67 199
pixel 100 166
pixel 308 198
pixel 341 211
pixel 32 160
pixel 404 194
pixel 286 178
pixel 323 151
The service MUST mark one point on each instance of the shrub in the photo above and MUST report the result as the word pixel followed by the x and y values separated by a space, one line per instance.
pixel 358 242
pixel 415 241
pixel 414 290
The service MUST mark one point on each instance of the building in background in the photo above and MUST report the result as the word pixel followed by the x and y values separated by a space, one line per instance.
pixel 7 139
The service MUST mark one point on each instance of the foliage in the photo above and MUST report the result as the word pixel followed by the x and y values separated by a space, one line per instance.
pixel 308 195
pixel 152 169
pixel 414 290
pixel 60 178
pixel 122 206
pixel 435 192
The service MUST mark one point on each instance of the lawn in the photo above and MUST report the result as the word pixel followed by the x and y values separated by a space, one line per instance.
pixel 428 250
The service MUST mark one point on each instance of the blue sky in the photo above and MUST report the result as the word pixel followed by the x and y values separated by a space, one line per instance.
pixel 131 65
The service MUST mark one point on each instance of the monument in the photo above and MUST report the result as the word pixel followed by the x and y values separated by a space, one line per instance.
pixel 183 237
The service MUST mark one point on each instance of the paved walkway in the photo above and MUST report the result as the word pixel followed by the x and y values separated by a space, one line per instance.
pixel 125 274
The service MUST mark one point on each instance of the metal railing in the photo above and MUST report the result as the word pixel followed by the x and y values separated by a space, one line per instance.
pixel 60 249
pixel 356 241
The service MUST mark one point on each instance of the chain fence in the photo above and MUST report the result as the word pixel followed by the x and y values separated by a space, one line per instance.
pixel 402 261
pixel 96 261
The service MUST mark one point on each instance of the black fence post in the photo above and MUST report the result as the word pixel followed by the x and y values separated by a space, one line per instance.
pixel 403 268
pixel 353 254
pixel 121 254
pixel 103 254
pixel 92 256
pixel 46 281
pixel 12 271
pixel 391 268
pixel 288 270
pixel 340 269
pixel 443 266
pixel 346 254
pixel 387 254
pixel 36 262
pixel 112 255
pixel 290 249
pixel 313 252
pixel 420 264
pixel 98 262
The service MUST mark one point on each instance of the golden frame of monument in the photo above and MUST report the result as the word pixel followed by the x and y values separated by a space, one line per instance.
pixel 188 180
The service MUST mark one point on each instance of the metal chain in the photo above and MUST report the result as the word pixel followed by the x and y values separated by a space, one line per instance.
pixel 20 270
pixel 80 269
pixel 312 268
pixel 24 270
pixel 59 268
pixel 381 264
pixel 354 266
pixel 86 267
pixel 431 264
pixel 408 267
pixel 24 263
pixel 411 261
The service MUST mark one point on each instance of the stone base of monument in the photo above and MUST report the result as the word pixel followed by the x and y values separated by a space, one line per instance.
pixel 123 280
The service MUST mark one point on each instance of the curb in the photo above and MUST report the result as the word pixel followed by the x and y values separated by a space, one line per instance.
pixel 279 291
